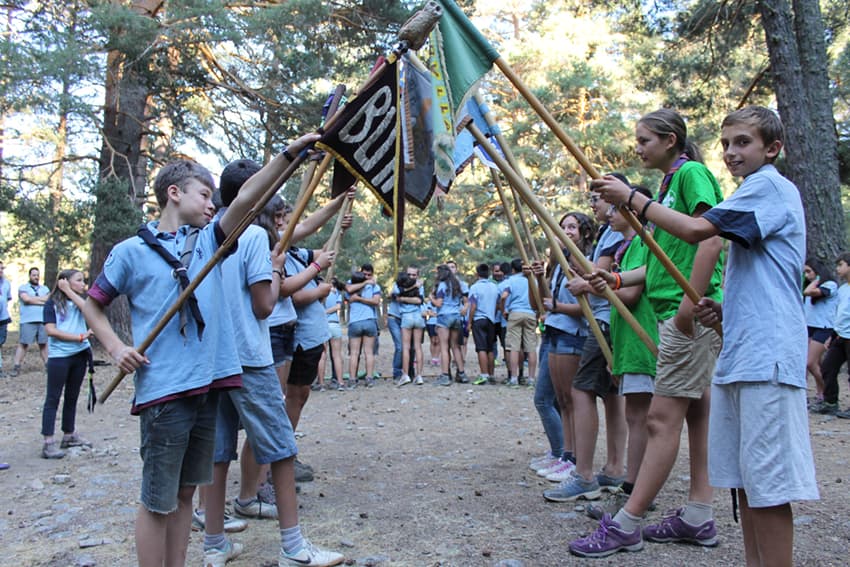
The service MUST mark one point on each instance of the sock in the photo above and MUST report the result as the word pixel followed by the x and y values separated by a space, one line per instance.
pixel 628 487
pixel 291 539
pixel 697 513
pixel 244 502
pixel 485 376
pixel 214 541
pixel 568 456
pixel 627 522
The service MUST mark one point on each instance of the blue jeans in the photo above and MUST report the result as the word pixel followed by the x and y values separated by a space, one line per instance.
pixel 394 326
pixel 546 403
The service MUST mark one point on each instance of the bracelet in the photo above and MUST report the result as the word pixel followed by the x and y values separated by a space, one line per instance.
pixel 645 208
pixel 618 281
pixel 317 266
pixel 82 337
pixel 288 155
pixel 631 195
pixel 278 271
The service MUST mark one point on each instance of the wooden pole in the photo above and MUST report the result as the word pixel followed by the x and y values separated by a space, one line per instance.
pixel 543 215
pixel 565 139
pixel 234 235
pixel 338 232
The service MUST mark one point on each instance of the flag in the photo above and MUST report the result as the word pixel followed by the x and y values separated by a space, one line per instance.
pixel 465 144
pixel 417 131
pixel 460 56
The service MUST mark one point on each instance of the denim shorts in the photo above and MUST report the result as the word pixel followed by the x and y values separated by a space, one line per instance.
pixel 258 405
pixel 449 321
pixel 365 328
pixel 177 445
pixel 335 329
pixel 283 342
pixel 32 333
pixel 412 321
pixel 561 342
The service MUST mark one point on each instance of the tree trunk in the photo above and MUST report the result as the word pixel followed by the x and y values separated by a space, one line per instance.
pixel 805 106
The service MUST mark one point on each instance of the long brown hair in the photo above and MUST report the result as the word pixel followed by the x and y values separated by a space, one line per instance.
pixel 60 300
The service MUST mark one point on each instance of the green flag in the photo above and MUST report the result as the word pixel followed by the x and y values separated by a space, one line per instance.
pixel 465 52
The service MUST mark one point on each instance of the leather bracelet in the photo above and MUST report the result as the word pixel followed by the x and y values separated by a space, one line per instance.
pixel 645 208
pixel 288 155
pixel 631 195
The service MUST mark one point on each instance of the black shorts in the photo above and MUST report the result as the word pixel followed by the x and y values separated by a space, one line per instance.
pixel 819 334
pixel 305 365
pixel 484 334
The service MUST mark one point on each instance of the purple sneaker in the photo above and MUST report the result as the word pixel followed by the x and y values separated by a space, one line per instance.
pixel 607 540
pixel 673 528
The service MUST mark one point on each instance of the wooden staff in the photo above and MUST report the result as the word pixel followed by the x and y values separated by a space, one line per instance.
pixel 532 280
pixel 594 174
pixel 338 232
pixel 527 195
pixel 222 250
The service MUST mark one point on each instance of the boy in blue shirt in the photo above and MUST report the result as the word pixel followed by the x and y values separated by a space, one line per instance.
pixel 758 426
pixel 522 322
pixel 178 379
pixel 483 297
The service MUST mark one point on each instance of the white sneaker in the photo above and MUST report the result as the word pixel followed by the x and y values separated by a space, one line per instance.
pixel 231 524
pixel 255 509
pixel 218 557
pixel 405 379
pixel 555 466
pixel 536 461
pixel 542 465
pixel 419 381
pixel 561 474
pixel 310 556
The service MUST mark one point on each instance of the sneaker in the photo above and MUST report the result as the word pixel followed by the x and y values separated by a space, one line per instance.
pixel 310 556
pixel 462 378
pixel 536 462
pixel 255 509
pixel 419 381
pixel 844 414
pixel 435 362
pixel 74 440
pixel 572 489
pixel 825 408
pixel 673 528
pixel 443 380
pixel 215 557
pixel 266 493
pixel 231 524
pixel 403 381
pixel 557 466
pixel 607 540
pixel 51 451
pixel 361 374
pixel 543 465
pixel 16 370
pixel 612 484
pixel 561 472
pixel 303 473
pixel 611 506
pixel 370 382
pixel 480 380
pixel 513 381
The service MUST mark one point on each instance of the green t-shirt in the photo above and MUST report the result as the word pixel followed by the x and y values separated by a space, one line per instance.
pixel 691 186
pixel 630 354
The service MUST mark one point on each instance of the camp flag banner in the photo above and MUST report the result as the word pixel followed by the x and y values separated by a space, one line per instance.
pixel 364 138
pixel 467 55
pixel 465 146
pixel 417 131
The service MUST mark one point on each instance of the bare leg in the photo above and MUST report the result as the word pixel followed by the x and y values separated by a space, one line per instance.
pixel 215 497
pixel 586 423
pixel 445 358
pixel 562 370
pixel 768 534
pixel 20 352
pixel 532 364
pixel 283 478
pixel 813 359
pixel 178 527
pixel 252 473
pixel 354 356
pixel 336 355
pixel 405 350
pixel 637 407
pixel 457 351
pixel 43 350
pixel 664 428
pixel 296 398
pixel 150 537
pixel 320 371
pixel 615 434
pixel 369 353
pixel 417 349
pixel 697 418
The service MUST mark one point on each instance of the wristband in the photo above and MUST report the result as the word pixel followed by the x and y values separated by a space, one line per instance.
pixel 278 271
pixel 645 208
pixel 629 201
pixel 317 266
pixel 618 281
pixel 82 337
pixel 288 155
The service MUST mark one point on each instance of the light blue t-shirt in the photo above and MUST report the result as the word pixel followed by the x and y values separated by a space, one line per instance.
pixel 484 293
pixel 517 290
pixel 32 313
pixel 177 363
pixel 332 300
pixel 600 306
pixel 71 322
pixel 451 303
pixel 842 311
pixel 405 308
pixel 250 264
pixel 358 311
pixel 312 329
pixel 499 318
pixel 561 293
pixel 5 298
pixel 764 328
pixel 821 313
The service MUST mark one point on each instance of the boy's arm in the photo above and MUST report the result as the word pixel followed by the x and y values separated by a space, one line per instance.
pixel 265 293
pixel 317 220
pixel 705 260
pixel 127 357
pixel 307 296
pixel 260 182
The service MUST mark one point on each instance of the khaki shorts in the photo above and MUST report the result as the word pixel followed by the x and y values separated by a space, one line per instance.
pixel 522 332
pixel 685 365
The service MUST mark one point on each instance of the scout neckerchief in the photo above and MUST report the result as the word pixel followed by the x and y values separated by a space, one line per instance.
pixel 665 184
pixel 179 269
pixel 621 251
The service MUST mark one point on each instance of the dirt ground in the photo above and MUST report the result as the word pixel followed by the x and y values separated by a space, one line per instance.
pixel 419 476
